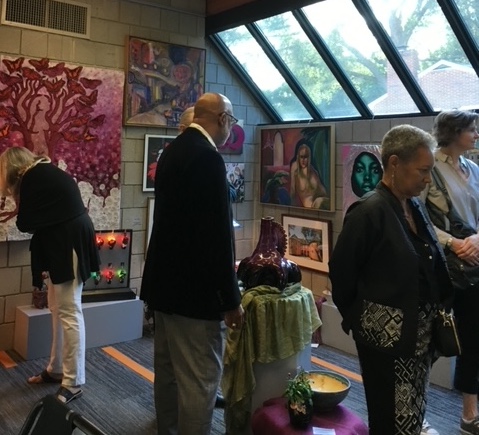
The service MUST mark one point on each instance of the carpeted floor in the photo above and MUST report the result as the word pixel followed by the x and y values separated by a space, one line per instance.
pixel 444 406
pixel 119 401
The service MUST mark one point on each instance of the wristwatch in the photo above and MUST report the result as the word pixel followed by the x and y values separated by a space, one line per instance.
pixel 449 243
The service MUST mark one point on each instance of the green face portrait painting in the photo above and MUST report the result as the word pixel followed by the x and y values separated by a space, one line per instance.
pixel 366 174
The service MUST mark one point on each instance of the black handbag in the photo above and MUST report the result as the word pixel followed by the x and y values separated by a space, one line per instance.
pixel 463 275
pixel 444 334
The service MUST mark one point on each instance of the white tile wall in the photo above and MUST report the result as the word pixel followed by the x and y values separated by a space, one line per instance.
pixel 130 13
pixel 10 279
pixel 10 39
pixel 34 44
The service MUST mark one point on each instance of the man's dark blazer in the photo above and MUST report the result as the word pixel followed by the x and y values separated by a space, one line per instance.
pixel 189 267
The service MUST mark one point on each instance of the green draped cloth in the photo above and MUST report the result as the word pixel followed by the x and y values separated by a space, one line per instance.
pixel 278 324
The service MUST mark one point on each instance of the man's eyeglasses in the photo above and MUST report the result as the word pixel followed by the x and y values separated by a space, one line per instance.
pixel 231 117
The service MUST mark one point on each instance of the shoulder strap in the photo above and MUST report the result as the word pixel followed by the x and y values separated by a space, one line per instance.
pixel 441 220
pixel 455 225
pixel 440 183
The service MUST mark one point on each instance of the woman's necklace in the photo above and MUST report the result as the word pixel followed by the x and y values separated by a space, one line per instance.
pixel 409 218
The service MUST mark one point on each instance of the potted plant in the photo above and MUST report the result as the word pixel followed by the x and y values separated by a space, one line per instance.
pixel 300 400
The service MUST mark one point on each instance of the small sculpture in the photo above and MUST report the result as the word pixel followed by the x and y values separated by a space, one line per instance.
pixel 267 265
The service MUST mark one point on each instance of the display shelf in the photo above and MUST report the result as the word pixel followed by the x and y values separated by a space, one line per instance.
pixel 106 323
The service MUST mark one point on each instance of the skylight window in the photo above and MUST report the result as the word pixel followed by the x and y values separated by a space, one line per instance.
pixel 373 59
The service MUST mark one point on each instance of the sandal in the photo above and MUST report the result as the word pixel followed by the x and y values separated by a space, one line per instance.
pixel 65 396
pixel 44 378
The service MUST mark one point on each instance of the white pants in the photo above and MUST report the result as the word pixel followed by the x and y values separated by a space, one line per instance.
pixel 68 329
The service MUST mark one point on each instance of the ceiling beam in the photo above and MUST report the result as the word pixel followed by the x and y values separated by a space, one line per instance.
pixel 250 12
pixel 214 7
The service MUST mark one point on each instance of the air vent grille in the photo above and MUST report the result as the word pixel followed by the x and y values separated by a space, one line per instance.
pixel 64 17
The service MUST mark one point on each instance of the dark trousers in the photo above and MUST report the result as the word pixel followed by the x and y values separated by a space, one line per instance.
pixel 395 391
pixel 466 310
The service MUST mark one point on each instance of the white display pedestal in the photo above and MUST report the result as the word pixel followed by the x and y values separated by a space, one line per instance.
pixel 271 378
pixel 105 323
pixel 442 372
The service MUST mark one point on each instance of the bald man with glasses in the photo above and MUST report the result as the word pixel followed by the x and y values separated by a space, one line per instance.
pixel 189 280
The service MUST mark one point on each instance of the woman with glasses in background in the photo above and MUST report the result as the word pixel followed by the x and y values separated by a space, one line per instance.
pixel 456 133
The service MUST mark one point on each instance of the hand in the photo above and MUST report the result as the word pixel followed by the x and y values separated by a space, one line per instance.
pixel 467 249
pixel 234 319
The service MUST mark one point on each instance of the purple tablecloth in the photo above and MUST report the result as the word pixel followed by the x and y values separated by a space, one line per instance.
pixel 273 418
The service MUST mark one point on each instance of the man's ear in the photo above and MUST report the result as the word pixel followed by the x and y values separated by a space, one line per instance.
pixel 393 160
pixel 222 120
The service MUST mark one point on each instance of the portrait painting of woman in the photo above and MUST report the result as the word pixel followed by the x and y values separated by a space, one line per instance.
pixel 366 173
pixel 362 171
pixel 297 166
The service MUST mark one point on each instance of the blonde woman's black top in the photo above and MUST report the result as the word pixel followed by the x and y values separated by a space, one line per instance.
pixel 51 208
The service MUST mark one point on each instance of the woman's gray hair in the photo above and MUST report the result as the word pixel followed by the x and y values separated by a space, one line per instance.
pixel 404 141
pixel 448 125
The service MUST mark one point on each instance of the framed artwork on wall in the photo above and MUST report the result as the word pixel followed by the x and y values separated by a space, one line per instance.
pixel 149 221
pixel 162 81
pixel 234 143
pixel 73 114
pixel 154 146
pixel 308 242
pixel 297 166
pixel 362 171
pixel 235 178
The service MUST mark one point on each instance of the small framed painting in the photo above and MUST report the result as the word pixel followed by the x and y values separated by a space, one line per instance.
pixel 154 146
pixel 234 143
pixel 362 171
pixel 308 242
pixel 235 179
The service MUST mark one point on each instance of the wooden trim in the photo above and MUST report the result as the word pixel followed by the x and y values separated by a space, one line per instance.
pixel 214 7
pixel 6 361
pixel 337 369
pixel 128 362
pixel 249 13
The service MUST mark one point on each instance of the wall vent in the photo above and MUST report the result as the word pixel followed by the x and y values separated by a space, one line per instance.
pixel 65 17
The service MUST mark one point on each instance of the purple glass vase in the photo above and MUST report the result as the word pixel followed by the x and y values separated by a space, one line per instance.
pixel 267 265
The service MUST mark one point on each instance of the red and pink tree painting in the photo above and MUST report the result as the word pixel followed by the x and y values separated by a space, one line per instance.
pixel 73 115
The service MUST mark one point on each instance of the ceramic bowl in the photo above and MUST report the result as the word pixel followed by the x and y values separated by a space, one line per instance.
pixel 329 388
